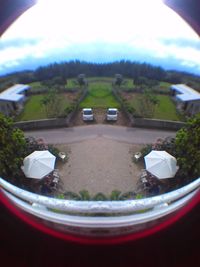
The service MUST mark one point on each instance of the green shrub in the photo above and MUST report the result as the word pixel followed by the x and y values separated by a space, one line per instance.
pixel 60 196
pixel 146 150
pixel 54 150
pixel 187 149
pixel 128 195
pixel 71 196
pixel 100 197
pixel 139 196
pixel 115 195
pixel 84 195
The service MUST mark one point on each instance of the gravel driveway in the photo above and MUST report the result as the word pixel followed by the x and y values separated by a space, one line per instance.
pixel 99 165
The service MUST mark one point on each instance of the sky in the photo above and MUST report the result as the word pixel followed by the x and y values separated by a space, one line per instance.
pixel 99 31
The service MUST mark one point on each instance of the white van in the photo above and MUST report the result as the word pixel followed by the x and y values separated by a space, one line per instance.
pixel 87 114
pixel 111 114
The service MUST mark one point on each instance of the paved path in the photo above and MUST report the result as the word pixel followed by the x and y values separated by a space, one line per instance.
pixel 119 133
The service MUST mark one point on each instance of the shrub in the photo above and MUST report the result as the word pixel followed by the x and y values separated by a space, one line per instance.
pixel 128 195
pixel 60 196
pixel 139 196
pixel 187 149
pixel 12 149
pixel 115 195
pixel 84 195
pixel 100 197
pixel 54 150
pixel 145 150
pixel 33 144
pixel 71 196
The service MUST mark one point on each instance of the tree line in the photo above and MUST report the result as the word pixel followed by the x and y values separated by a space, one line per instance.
pixel 129 69
pixel 74 68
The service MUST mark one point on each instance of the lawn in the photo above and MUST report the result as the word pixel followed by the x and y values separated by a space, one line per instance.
pixel 71 84
pixel 36 86
pixel 34 110
pixel 165 110
pixel 127 84
pixel 100 79
pixel 99 96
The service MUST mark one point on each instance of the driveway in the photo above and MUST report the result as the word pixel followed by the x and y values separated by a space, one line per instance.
pixel 119 133
pixel 100 156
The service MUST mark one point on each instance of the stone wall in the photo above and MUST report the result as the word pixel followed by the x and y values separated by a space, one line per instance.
pixel 158 124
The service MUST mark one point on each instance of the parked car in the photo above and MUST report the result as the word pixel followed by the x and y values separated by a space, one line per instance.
pixel 111 114
pixel 87 114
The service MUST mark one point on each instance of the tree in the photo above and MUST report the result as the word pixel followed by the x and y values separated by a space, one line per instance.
pixel 187 149
pixel 118 79
pixel 53 104
pixel 146 104
pixel 12 149
pixel 81 80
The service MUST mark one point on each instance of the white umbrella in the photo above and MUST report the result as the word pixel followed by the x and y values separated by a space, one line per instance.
pixel 38 164
pixel 161 164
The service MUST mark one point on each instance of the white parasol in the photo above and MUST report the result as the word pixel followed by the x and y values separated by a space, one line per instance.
pixel 161 164
pixel 38 164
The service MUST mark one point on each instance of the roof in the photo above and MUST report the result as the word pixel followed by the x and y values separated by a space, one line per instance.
pixel 14 93
pixel 185 93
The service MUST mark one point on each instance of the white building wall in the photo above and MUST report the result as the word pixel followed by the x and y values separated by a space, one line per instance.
pixel 193 107
pixel 6 108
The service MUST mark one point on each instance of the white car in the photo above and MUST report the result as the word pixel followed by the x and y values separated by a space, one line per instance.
pixel 111 114
pixel 87 114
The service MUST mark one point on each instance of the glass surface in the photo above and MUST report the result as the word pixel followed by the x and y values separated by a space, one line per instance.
pixel 111 112
pixel 138 36
pixel 87 112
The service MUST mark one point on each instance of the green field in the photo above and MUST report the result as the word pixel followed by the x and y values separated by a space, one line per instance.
pixel 165 109
pixel 100 79
pixel 99 96
pixel 71 84
pixel 36 86
pixel 34 110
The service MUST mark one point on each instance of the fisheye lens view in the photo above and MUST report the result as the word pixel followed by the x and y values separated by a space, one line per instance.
pixel 100 106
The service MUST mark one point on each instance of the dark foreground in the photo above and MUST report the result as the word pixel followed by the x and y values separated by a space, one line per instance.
pixel 177 245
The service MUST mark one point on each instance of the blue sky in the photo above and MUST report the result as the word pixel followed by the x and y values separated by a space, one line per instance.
pixel 100 31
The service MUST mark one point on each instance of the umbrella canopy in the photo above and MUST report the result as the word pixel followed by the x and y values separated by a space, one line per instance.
pixel 161 164
pixel 38 164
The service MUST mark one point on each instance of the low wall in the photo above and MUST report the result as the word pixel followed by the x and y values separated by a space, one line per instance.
pixel 158 124
pixel 42 124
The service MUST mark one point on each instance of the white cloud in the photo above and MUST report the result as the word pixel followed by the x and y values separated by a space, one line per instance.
pixel 60 24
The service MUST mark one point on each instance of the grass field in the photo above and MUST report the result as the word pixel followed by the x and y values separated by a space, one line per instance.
pixel 34 110
pixel 99 96
pixel 36 86
pixel 165 110
pixel 71 84
pixel 100 79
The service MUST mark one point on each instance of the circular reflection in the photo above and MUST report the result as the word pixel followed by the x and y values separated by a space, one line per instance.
pixel 99 32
